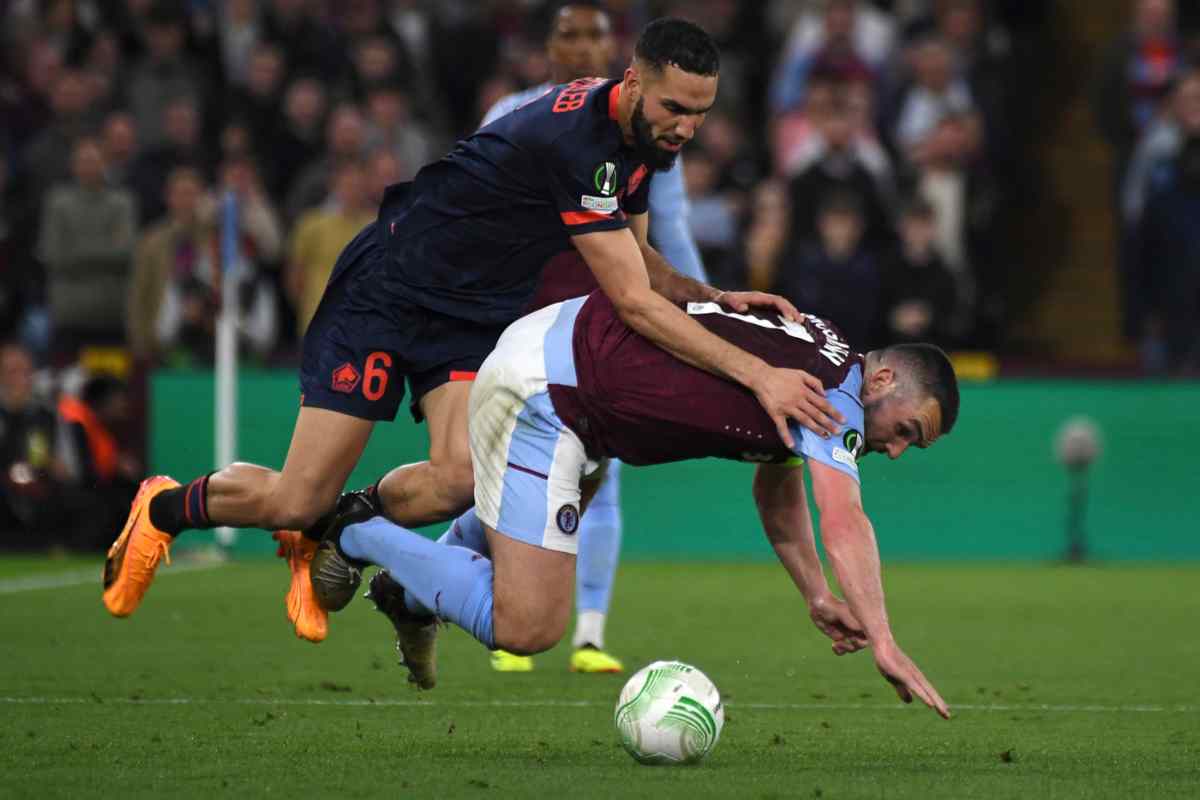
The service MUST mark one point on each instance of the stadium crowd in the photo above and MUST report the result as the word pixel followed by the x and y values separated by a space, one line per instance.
pixel 1147 104
pixel 860 161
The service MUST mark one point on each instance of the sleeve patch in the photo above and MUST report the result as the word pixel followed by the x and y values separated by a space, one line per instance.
pixel 605 205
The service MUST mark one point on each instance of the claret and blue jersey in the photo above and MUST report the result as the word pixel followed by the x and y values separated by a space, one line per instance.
pixel 628 398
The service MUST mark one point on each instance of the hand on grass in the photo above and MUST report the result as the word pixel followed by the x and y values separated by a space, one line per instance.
pixel 900 671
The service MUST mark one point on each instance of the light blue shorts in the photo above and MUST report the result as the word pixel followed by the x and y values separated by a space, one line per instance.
pixel 528 464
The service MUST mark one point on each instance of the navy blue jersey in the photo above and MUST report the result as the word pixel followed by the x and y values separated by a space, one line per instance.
pixel 469 236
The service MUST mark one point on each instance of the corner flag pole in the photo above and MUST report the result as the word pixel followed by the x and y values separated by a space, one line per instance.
pixel 225 424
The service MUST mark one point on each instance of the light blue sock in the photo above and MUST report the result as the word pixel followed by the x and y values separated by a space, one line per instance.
pixel 599 545
pixel 467 531
pixel 453 582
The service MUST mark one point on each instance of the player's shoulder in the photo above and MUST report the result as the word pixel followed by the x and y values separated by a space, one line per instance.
pixel 580 113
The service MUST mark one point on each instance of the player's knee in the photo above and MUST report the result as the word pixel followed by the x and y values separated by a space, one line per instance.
pixel 523 629
pixel 456 485
pixel 531 639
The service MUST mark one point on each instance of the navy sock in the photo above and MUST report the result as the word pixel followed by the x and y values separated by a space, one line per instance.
pixel 183 508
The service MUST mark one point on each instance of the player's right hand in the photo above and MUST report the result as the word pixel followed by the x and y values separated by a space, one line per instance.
pixel 900 671
pixel 794 394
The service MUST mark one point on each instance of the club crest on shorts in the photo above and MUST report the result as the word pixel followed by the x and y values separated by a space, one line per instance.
pixel 567 518
pixel 345 378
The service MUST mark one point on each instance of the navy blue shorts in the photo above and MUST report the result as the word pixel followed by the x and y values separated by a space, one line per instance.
pixel 366 339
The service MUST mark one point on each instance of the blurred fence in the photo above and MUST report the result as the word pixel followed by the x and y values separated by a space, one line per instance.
pixel 990 490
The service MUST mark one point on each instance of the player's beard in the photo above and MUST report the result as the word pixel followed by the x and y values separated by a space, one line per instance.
pixel 644 143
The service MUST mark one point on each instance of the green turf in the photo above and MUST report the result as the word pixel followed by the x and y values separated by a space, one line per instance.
pixel 84 698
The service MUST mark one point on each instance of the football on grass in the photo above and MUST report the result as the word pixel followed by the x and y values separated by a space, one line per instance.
pixel 669 713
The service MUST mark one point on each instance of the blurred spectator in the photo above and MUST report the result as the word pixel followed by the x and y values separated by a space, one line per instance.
pixel 162 76
pixel 310 47
pixel 800 136
pixel 766 239
pixel 102 70
pixel 183 145
pixel 1156 153
pixel 835 275
pixel 239 34
pixel 1170 261
pixel 48 156
pixel 375 61
pixel 28 469
pixel 837 160
pixel 1153 168
pixel 982 56
pixel 26 103
pixel 383 169
pixel 120 145
pixel 235 142
pixel 345 139
pixel 713 215
pixel 100 476
pixel 299 138
pixel 175 292
pixel 170 255
pixel 256 100
pixel 935 93
pixel 1137 70
pixel 918 295
pixel 319 236
pixel 847 38
pixel 390 125
pixel 87 234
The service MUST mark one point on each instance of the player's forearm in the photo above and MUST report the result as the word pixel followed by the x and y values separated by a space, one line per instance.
pixel 783 509
pixel 850 545
pixel 672 284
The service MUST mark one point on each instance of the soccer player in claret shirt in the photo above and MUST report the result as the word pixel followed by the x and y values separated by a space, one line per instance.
pixel 422 294
pixel 571 385
pixel 580 43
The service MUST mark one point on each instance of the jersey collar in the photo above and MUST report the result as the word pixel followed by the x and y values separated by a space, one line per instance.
pixel 614 97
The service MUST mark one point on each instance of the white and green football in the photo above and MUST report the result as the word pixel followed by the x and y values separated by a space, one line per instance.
pixel 669 713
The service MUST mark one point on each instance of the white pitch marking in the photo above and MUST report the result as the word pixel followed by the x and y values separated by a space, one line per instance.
pixel 79 577
pixel 283 701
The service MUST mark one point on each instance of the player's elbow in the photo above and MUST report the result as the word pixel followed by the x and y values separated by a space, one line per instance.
pixel 634 305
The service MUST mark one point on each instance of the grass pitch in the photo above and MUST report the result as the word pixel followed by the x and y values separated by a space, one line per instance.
pixel 1065 682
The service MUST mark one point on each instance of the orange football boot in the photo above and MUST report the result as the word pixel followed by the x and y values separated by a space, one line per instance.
pixel 308 618
pixel 134 556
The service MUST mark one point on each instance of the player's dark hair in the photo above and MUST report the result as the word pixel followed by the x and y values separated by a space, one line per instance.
pixel 676 41
pixel 932 374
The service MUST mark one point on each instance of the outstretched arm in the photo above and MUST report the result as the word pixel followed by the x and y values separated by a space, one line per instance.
pixel 783 509
pixel 849 542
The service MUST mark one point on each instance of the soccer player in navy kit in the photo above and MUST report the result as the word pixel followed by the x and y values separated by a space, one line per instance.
pixel 572 384
pixel 422 295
